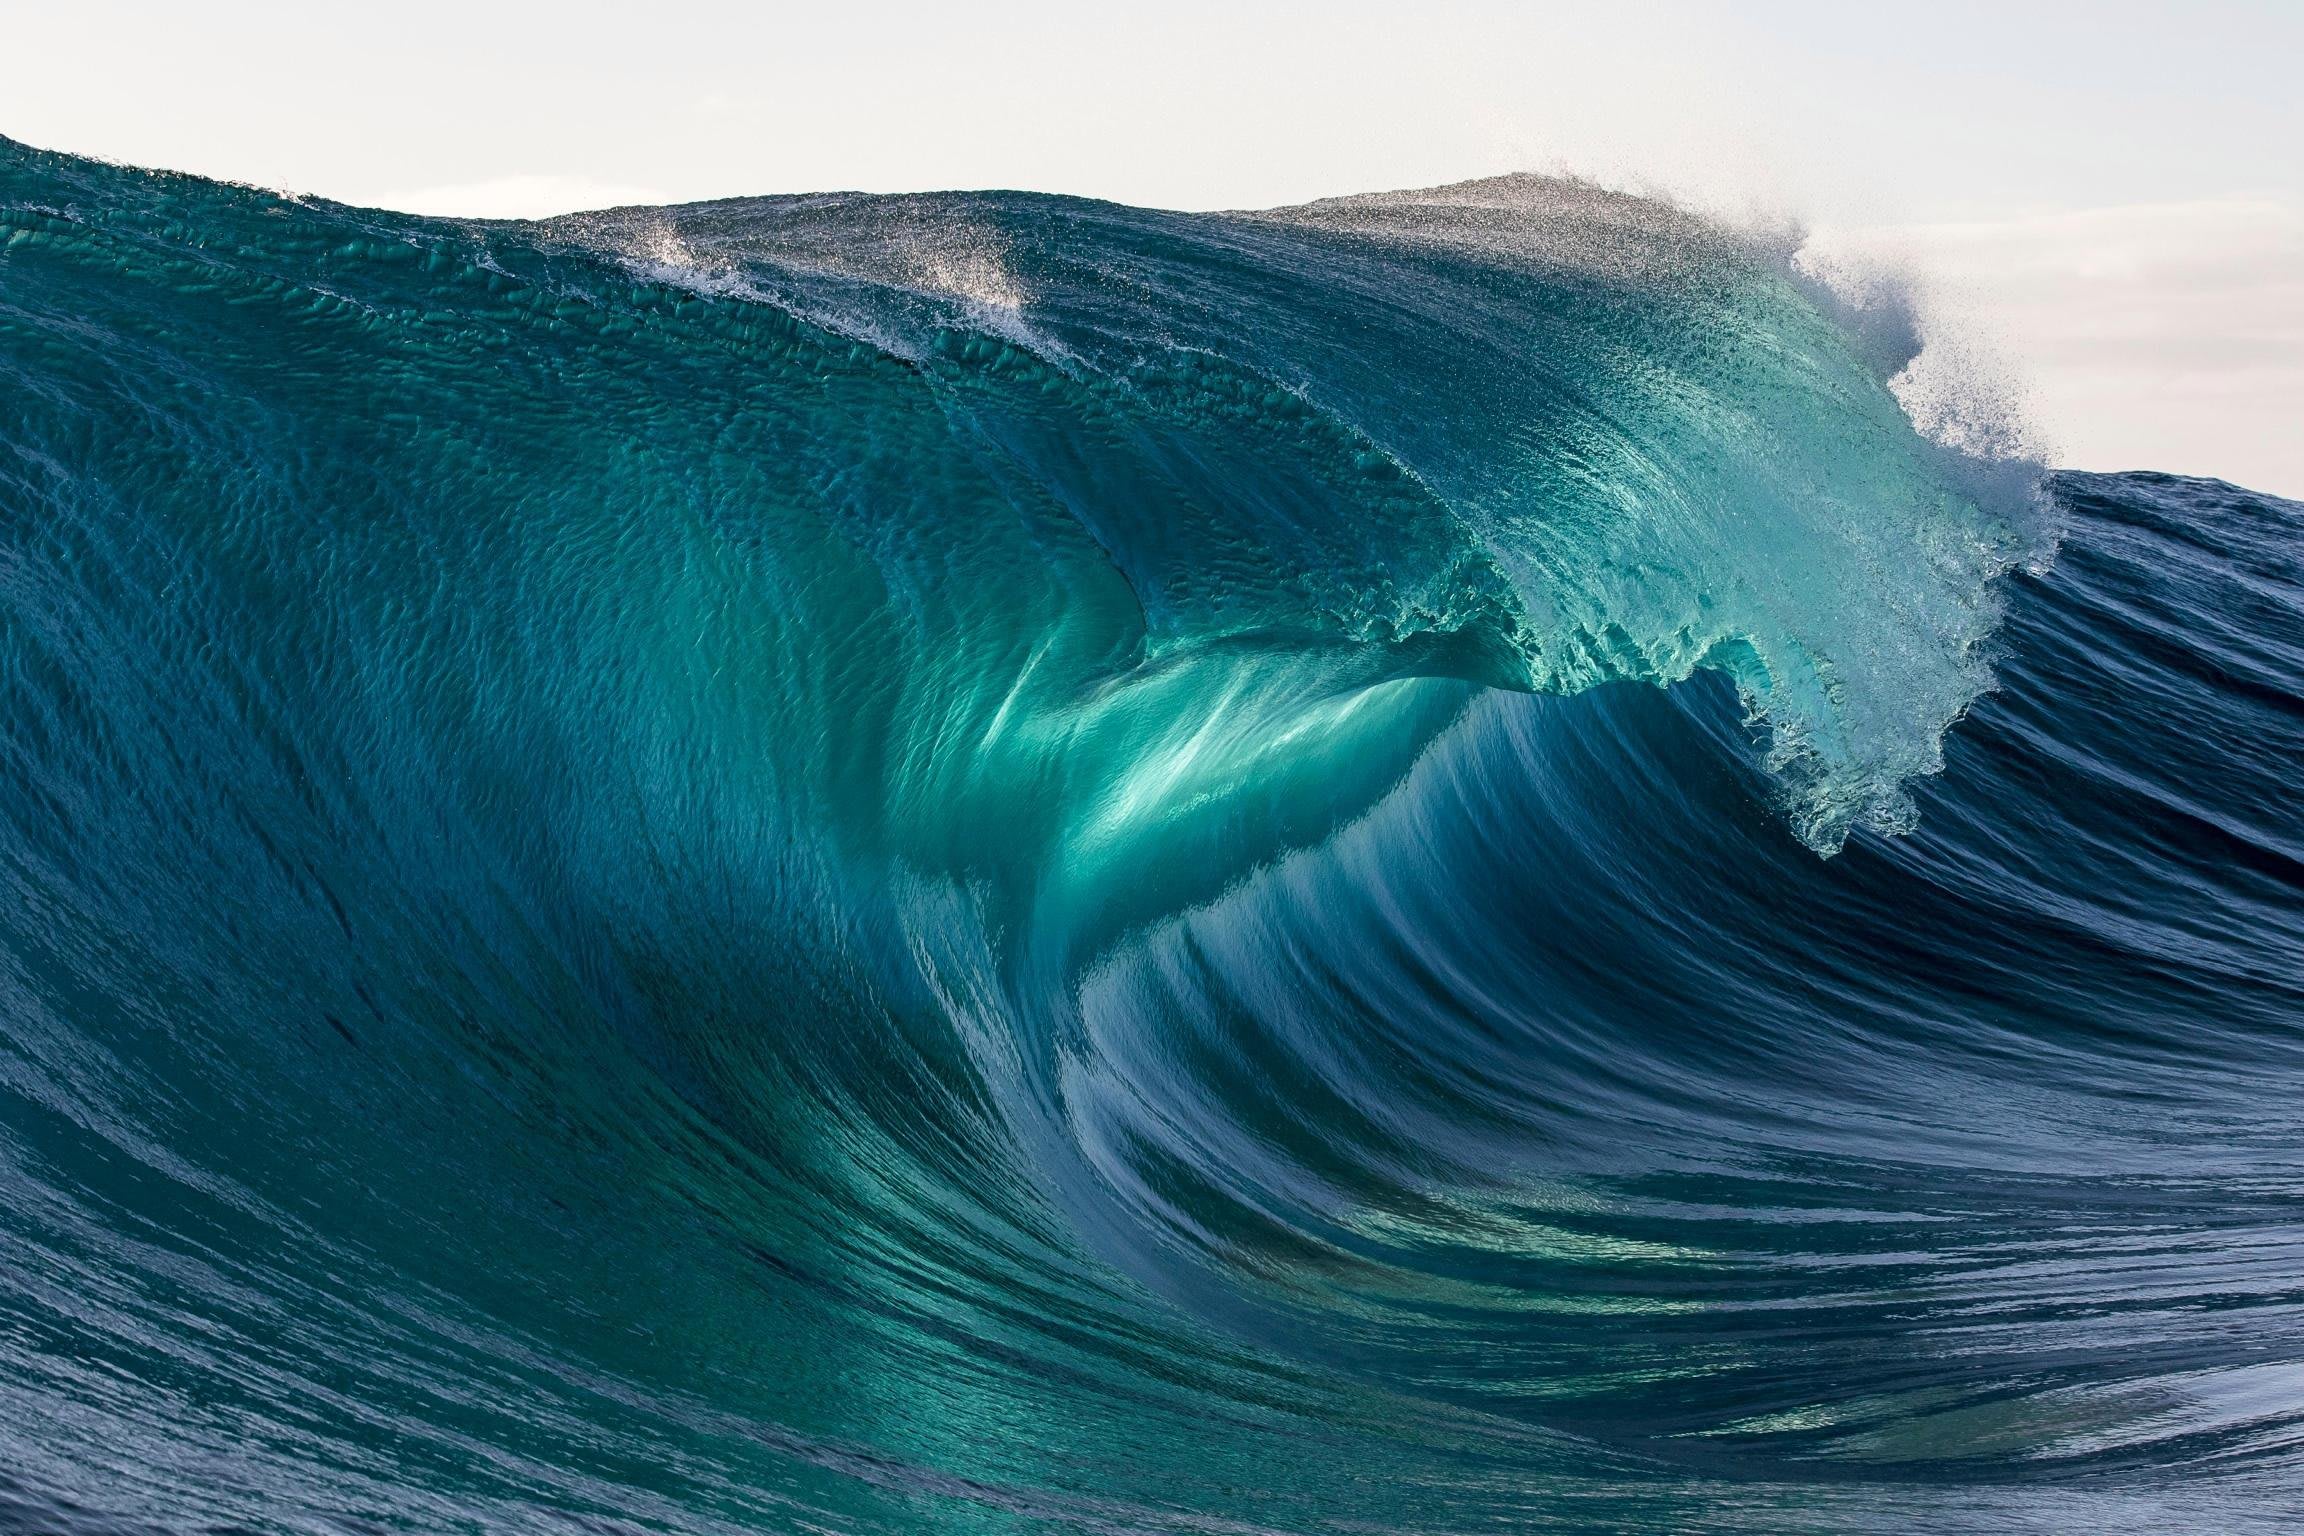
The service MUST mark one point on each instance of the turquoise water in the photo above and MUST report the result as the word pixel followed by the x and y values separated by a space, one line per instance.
pixel 990 862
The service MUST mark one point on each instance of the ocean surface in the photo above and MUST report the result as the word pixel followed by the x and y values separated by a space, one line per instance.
pixel 993 863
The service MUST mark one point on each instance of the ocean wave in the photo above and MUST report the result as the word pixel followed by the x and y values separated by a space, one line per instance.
pixel 992 861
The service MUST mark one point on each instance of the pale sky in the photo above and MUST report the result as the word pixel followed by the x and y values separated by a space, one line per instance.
pixel 2108 198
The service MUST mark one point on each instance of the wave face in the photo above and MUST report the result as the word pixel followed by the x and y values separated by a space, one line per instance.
pixel 987 862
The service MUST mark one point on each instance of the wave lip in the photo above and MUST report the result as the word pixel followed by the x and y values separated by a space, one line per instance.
pixel 1590 435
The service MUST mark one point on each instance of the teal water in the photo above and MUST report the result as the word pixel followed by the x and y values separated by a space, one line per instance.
pixel 990 862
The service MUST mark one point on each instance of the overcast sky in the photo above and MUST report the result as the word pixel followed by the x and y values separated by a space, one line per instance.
pixel 2108 195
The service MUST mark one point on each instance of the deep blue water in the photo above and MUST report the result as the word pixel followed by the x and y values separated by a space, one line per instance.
pixel 996 863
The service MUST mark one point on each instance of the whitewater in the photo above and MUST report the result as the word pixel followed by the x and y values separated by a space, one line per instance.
pixel 994 862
